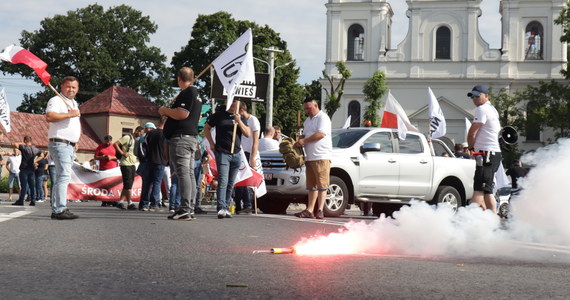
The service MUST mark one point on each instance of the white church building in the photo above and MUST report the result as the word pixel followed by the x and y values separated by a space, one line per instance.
pixel 444 50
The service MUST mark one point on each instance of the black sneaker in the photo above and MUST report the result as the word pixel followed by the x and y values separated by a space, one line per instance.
pixel 305 214
pixel 33 203
pixel 122 205
pixel 181 215
pixel 64 215
pixel 132 206
pixel 200 211
pixel 246 211
pixel 319 215
pixel 18 203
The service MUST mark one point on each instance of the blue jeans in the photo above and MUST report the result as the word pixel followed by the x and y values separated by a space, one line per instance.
pixel 51 171
pixel 63 156
pixel 14 177
pixel 155 174
pixel 181 150
pixel 174 197
pixel 27 184
pixel 39 187
pixel 228 167
pixel 198 174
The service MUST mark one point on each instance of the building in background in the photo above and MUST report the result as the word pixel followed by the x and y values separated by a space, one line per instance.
pixel 444 50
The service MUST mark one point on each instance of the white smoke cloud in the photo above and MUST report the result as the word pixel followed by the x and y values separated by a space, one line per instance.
pixel 539 228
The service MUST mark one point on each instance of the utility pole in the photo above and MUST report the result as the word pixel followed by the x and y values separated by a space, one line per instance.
pixel 269 108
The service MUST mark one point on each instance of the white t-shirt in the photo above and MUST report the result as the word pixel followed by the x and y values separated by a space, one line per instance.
pixel 68 129
pixel 487 137
pixel 15 162
pixel 266 144
pixel 321 149
pixel 247 142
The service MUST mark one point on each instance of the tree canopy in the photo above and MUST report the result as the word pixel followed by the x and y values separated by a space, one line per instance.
pixel 336 89
pixel 101 48
pixel 212 34
pixel 373 90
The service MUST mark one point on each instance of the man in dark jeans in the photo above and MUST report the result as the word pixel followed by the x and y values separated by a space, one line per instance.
pixel 156 162
pixel 27 169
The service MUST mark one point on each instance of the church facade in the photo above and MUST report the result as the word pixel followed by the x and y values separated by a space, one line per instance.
pixel 443 50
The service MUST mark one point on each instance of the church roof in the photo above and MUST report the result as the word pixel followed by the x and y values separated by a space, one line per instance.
pixel 122 101
pixel 36 126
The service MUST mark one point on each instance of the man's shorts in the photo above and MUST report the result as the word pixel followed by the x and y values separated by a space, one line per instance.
pixel 128 173
pixel 318 174
pixel 484 179
pixel 13 177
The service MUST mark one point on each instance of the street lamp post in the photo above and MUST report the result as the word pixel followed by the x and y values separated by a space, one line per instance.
pixel 271 70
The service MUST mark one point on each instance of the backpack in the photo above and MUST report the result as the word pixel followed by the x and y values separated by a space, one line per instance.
pixel 118 155
pixel 293 155
pixel 141 151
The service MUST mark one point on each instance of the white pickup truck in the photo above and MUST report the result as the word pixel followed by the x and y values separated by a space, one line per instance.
pixel 373 165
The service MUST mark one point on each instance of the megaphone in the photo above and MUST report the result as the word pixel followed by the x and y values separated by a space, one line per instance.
pixel 507 137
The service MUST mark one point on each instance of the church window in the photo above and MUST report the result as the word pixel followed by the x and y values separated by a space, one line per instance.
pixel 354 113
pixel 355 49
pixel 443 43
pixel 534 41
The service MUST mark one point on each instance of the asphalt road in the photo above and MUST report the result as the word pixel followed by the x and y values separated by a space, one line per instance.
pixel 112 254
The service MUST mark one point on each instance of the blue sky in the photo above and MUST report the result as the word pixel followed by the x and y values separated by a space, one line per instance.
pixel 302 23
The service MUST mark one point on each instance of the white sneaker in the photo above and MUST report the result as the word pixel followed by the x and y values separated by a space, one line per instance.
pixel 221 213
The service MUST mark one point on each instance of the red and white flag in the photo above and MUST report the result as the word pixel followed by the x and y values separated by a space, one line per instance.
pixel 18 55
pixel 87 184
pixel 395 117
pixel 236 64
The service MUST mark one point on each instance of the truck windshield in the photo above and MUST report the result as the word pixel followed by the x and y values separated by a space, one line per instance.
pixel 345 138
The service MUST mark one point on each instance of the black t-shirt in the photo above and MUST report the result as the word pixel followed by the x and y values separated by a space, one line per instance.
pixel 155 141
pixel 223 121
pixel 29 153
pixel 41 169
pixel 516 173
pixel 187 99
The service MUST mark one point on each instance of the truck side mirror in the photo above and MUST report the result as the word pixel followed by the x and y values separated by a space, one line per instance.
pixel 367 147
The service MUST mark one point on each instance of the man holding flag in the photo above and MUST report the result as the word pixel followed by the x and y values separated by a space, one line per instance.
pixel 181 130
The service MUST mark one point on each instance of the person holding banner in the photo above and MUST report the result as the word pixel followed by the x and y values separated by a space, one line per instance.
pixel 229 126
pixel 62 114
pixel 181 131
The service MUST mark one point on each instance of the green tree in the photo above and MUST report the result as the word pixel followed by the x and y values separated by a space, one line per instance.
pixel 313 90
pixel 510 114
pixel 564 20
pixel 336 89
pixel 101 48
pixel 212 34
pixel 373 90
pixel 552 107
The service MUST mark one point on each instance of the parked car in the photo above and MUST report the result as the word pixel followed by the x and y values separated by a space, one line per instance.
pixel 373 165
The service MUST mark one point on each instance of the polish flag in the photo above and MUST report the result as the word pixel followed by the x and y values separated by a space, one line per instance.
pixel 395 117
pixel 18 55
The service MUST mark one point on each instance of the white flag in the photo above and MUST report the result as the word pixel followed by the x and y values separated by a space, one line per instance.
pixel 347 123
pixel 236 64
pixel 437 126
pixel 394 116
pixel 501 178
pixel 4 111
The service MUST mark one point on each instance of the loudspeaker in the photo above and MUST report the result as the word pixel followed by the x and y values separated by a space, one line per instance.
pixel 509 135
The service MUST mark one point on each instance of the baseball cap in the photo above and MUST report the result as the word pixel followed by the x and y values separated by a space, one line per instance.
pixel 478 90
pixel 149 125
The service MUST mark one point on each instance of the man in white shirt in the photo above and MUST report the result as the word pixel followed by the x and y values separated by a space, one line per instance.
pixel 250 145
pixel 317 141
pixel 62 114
pixel 483 138
pixel 267 142
pixel 13 166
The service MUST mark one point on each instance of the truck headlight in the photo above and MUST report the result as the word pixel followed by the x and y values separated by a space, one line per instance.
pixel 294 179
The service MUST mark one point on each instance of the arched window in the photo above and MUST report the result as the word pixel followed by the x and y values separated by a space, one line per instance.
pixel 443 43
pixel 532 122
pixel 534 37
pixel 355 49
pixel 354 113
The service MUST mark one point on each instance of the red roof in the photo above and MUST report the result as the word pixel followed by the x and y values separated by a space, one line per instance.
pixel 36 126
pixel 120 100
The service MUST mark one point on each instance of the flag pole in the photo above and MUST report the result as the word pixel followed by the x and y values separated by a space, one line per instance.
pixel 234 137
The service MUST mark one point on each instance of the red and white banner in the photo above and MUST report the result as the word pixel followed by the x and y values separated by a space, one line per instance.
pixel 395 117
pixel 87 184
pixel 18 55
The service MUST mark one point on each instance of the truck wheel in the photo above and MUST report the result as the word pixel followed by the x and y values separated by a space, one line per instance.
pixel 386 208
pixel 272 206
pixel 337 198
pixel 447 194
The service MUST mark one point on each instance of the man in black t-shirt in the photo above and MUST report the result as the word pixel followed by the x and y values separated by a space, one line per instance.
pixel 27 169
pixel 181 131
pixel 228 158
pixel 156 162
